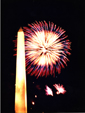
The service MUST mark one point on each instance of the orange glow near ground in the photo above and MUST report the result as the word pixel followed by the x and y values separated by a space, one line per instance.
pixel 20 88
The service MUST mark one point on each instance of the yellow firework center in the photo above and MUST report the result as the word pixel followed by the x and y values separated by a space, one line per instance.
pixel 44 45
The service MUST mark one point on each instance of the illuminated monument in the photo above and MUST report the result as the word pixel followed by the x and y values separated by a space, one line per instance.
pixel 20 89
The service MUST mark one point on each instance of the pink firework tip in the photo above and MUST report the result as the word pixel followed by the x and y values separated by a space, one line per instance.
pixel 46 48
pixel 60 89
pixel 48 91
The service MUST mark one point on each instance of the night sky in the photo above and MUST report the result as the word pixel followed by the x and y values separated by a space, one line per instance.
pixel 70 16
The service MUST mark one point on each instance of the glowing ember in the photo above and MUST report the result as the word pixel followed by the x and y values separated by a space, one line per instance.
pixel 60 89
pixel 35 96
pixel 46 48
pixel 48 91
pixel 33 103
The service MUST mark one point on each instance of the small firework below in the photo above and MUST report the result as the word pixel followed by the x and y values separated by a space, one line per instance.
pixel 35 96
pixel 60 89
pixel 33 103
pixel 48 91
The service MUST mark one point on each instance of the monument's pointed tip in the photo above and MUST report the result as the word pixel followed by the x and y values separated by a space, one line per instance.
pixel 20 30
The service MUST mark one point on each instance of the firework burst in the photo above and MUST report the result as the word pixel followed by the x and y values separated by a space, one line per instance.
pixel 60 89
pixel 46 48
pixel 48 91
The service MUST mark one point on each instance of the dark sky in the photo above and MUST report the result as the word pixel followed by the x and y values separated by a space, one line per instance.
pixel 70 16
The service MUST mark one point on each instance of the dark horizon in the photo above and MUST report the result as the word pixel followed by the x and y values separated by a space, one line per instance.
pixel 68 15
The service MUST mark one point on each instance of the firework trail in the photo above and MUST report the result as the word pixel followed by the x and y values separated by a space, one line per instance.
pixel 60 89
pixel 48 91
pixel 45 48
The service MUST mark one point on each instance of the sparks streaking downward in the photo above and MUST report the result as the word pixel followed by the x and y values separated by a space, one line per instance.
pixel 46 48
